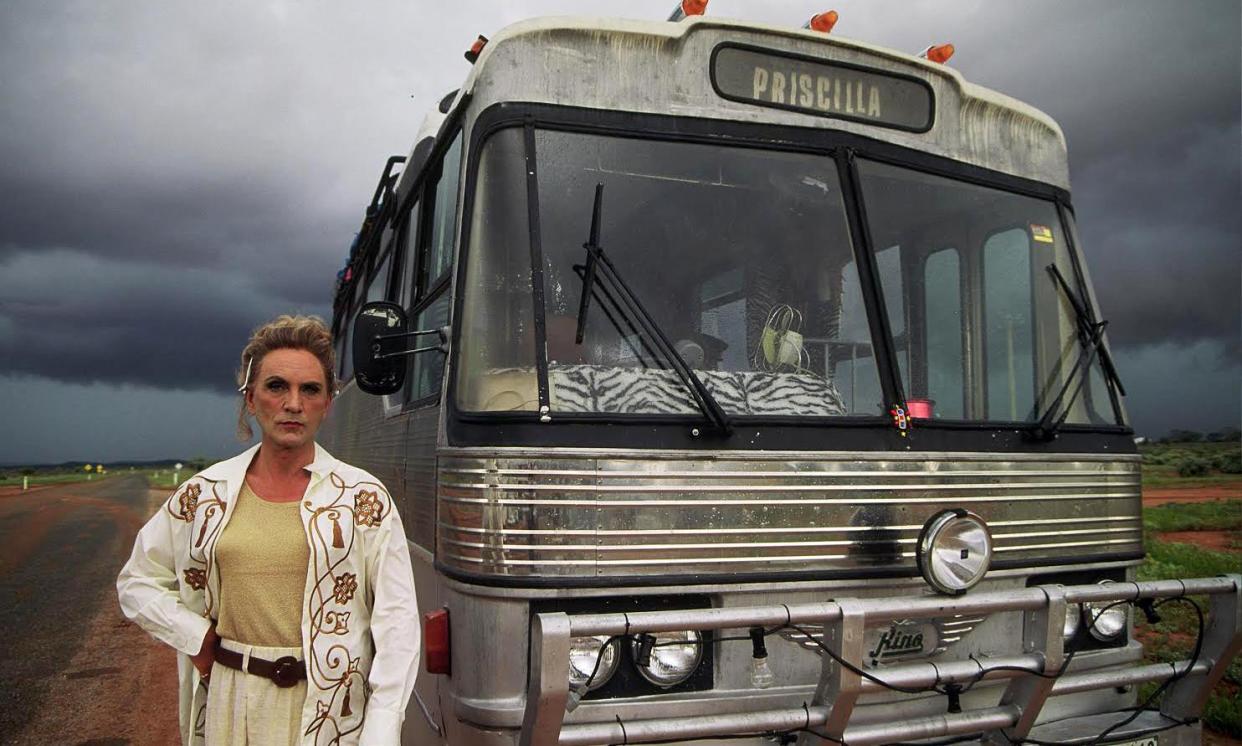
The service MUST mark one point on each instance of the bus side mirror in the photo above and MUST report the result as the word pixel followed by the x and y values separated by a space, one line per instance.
pixel 379 366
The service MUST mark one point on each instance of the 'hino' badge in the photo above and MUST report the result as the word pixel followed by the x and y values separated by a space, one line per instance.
pixel 899 640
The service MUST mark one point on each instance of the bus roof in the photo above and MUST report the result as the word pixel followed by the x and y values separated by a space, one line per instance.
pixel 660 67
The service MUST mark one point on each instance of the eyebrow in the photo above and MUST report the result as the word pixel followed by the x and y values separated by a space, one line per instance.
pixel 279 379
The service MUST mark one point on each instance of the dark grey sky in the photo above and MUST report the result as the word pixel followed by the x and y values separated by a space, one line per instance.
pixel 173 174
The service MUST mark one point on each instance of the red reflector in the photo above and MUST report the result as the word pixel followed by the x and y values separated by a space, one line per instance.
pixel 693 7
pixel 940 54
pixel 823 22
pixel 436 641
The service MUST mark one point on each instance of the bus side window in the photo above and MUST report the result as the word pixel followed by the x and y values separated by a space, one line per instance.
pixel 407 258
pixel 439 250
pixel 435 259
pixel 339 341
pixel 377 284
pixel 347 361
pixel 942 301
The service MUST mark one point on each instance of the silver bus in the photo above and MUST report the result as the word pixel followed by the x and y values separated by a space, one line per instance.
pixel 745 383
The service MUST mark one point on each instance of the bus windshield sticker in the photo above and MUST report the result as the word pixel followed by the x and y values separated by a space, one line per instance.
pixel 821 87
pixel 1041 233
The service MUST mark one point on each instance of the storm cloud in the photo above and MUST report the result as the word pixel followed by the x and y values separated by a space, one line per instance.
pixel 174 174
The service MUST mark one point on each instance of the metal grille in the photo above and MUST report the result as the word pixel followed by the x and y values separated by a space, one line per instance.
pixel 622 516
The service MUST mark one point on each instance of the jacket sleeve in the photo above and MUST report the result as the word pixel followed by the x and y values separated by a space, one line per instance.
pixel 396 632
pixel 148 588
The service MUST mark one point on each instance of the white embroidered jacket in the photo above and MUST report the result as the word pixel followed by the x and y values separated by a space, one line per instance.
pixel 360 624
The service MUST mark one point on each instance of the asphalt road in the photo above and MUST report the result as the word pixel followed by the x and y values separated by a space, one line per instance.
pixel 75 672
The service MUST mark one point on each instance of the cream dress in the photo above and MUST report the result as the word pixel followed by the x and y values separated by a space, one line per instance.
pixel 262 556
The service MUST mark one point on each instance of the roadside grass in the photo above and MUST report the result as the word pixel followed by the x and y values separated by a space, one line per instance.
pixel 1173 637
pixel 42 479
pixel 1216 515
pixel 1166 477
pixel 1191 464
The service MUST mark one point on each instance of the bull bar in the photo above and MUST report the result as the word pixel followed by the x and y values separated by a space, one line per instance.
pixel 827 714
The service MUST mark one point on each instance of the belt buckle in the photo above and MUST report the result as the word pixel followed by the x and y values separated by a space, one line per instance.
pixel 285 672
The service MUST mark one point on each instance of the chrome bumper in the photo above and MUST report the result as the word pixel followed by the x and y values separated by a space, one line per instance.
pixel 828 712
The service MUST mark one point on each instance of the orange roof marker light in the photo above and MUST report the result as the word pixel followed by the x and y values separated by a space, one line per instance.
pixel 687 8
pixel 940 53
pixel 476 49
pixel 823 22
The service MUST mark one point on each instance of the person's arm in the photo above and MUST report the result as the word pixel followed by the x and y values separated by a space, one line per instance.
pixel 396 632
pixel 148 590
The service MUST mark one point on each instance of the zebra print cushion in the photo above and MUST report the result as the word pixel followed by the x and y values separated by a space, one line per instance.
pixel 597 388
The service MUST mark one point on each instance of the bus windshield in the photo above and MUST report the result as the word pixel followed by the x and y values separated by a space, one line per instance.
pixel 982 328
pixel 744 259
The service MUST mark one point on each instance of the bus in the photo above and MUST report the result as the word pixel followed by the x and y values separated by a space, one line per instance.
pixel 745 383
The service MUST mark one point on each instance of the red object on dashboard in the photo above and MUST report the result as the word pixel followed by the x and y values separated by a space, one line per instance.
pixel 920 409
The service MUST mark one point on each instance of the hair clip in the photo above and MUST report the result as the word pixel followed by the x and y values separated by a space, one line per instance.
pixel 246 381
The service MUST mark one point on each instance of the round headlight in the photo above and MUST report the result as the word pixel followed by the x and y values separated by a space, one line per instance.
pixel 954 551
pixel 590 655
pixel 1107 618
pixel 674 656
pixel 1073 620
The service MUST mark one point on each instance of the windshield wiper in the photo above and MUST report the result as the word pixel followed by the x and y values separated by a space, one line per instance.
pixel 1085 326
pixel 1091 334
pixel 599 265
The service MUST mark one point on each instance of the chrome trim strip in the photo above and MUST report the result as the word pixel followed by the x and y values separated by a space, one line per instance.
pixel 831 587
pixel 637 512
pixel 592 474
pixel 739 531
pixel 764 545
pixel 759 501
pixel 662 488
pixel 520 452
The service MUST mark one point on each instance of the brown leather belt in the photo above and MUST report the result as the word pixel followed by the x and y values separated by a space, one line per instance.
pixel 283 672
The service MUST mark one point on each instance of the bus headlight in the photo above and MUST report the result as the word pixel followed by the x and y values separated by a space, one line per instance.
pixel 954 551
pixel 674 657
pixel 1107 618
pixel 592 661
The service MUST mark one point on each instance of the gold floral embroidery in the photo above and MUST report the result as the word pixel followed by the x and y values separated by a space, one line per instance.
pixel 336 622
pixel 346 585
pixel 195 578
pixel 368 511
pixel 335 674
pixel 187 502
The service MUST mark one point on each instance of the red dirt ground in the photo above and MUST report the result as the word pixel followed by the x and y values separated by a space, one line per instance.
pixel 1154 497
pixel 1217 541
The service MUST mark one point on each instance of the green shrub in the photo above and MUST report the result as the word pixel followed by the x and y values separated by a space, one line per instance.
pixel 1229 462
pixel 1224 714
pixel 1192 466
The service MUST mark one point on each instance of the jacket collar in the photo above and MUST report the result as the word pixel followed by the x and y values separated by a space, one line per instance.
pixel 233 471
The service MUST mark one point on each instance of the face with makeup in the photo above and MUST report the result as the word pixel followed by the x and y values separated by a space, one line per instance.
pixel 289 398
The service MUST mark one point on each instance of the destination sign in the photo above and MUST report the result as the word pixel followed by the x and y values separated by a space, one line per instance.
pixel 830 89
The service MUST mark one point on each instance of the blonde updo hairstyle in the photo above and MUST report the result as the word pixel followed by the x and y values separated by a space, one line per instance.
pixel 283 333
